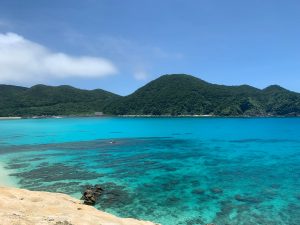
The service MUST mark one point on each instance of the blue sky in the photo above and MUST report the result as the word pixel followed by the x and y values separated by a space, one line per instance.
pixel 121 45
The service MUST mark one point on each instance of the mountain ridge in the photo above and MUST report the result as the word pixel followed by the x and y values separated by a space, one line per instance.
pixel 170 94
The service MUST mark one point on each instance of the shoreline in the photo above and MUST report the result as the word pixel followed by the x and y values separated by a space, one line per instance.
pixel 21 206
pixel 5 179
pixel 32 207
pixel 147 116
pixel 10 117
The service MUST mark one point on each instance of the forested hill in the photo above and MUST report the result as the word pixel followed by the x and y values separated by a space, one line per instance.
pixel 180 94
pixel 176 94
pixel 47 100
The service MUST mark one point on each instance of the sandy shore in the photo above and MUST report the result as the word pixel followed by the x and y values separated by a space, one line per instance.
pixel 5 179
pixel 23 207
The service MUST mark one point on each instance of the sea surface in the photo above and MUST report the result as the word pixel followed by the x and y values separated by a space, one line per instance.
pixel 173 171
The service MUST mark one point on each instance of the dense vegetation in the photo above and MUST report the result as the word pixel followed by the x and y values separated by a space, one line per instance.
pixel 181 94
pixel 177 94
pixel 46 100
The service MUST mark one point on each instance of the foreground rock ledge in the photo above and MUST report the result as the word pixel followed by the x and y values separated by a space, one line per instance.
pixel 23 207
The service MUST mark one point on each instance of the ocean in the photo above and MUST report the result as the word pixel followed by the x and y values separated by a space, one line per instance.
pixel 173 171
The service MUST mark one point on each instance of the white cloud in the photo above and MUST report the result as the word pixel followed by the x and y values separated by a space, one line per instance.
pixel 130 55
pixel 25 61
pixel 140 75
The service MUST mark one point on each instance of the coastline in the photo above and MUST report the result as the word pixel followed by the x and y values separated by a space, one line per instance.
pixel 20 206
pixel 35 207
pixel 10 118
pixel 149 116
pixel 5 179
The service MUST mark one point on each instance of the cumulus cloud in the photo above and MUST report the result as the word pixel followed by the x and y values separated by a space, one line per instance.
pixel 22 60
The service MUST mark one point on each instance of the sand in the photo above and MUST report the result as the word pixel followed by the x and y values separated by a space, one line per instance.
pixel 23 207
pixel 5 179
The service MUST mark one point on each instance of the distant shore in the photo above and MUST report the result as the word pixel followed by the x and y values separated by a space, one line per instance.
pixel 145 116
pixel 10 118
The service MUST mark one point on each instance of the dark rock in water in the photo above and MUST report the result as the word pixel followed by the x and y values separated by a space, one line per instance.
pixel 62 187
pixel 198 192
pixel 91 194
pixel 216 190
pixel 269 193
pixel 275 186
pixel 248 199
pixel 194 221
pixel 114 196
pixel 195 183
pixel 53 172
pixel 17 165
pixel 172 201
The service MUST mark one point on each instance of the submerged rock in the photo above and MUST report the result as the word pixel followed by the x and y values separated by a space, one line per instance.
pixel 198 192
pixel 91 194
pixel 248 199
pixel 216 190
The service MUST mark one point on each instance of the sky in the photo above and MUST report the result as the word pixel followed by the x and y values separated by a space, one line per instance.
pixel 120 45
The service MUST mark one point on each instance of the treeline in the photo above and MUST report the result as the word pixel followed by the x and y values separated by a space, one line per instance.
pixel 181 94
pixel 177 94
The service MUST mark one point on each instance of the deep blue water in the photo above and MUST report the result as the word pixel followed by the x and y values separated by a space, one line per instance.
pixel 174 171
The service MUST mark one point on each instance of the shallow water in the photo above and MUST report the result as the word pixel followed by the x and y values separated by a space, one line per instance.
pixel 174 171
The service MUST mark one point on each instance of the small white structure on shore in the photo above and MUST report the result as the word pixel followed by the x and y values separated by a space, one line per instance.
pixel 99 114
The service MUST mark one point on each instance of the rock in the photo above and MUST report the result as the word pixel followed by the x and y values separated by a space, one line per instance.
pixel 248 199
pixel 269 193
pixel 216 190
pixel 198 192
pixel 275 186
pixel 91 194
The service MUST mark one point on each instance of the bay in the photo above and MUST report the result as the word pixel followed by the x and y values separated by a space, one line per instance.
pixel 173 171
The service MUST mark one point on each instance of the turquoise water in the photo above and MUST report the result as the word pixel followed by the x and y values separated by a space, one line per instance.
pixel 174 171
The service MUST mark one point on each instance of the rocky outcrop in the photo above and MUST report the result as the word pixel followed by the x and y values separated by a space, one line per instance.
pixel 23 207
pixel 91 194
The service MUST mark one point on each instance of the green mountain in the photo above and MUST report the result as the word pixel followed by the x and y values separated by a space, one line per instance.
pixel 176 94
pixel 181 94
pixel 46 100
